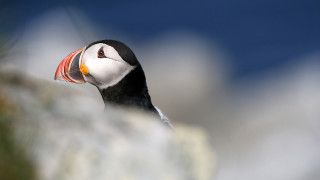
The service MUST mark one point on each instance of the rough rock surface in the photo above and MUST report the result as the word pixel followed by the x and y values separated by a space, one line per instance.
pixel 66 136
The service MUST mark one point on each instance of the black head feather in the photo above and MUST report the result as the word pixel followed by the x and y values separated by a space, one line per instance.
pixel 123 50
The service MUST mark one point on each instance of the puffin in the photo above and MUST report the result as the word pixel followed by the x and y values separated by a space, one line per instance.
pixel 113 68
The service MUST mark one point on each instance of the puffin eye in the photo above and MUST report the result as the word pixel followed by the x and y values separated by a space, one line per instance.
pixel 101 53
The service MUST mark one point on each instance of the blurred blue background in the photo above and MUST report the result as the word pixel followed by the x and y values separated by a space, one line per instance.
pixel 258 35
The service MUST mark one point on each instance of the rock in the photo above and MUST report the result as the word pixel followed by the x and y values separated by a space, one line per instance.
pixel 14 163
pixel 67 137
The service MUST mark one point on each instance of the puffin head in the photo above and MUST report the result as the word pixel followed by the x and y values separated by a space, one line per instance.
pixel 113 68
pixel 102 63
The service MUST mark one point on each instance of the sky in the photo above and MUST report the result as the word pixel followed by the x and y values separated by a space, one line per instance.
pixel 258 36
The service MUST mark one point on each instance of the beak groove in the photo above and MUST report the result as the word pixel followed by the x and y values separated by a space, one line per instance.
pixel 69 68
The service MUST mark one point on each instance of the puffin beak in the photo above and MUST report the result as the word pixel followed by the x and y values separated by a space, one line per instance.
pixel 69 68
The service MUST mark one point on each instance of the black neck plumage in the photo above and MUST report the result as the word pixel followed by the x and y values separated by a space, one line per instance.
pixel 130 91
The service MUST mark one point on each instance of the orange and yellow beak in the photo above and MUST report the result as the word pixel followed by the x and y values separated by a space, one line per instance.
pixel 71 68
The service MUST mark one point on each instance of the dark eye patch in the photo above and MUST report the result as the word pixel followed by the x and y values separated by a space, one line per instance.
pixel 101 53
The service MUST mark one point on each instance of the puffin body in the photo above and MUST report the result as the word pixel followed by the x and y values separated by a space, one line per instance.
pixel 113 68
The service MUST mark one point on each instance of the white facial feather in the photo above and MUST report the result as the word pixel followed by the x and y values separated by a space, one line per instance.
pixel 104 72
